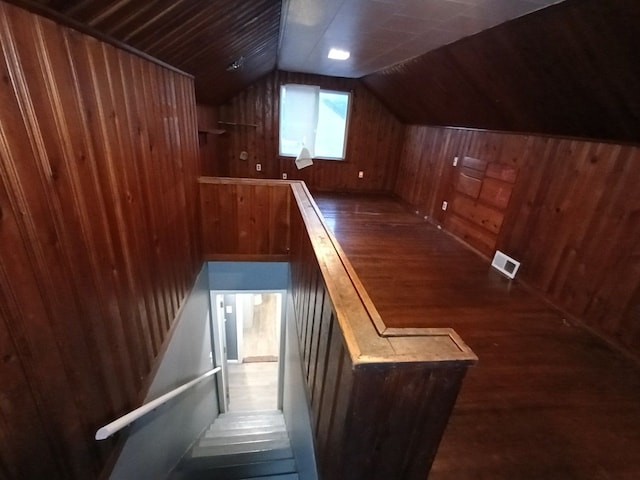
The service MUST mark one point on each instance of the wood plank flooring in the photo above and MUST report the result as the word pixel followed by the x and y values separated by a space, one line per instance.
pixel 253 386
pixel 547 400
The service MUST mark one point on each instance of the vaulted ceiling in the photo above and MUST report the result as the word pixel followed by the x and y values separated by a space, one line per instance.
pixel 547 66
pixel 200 37
pixel 382 33
pixel 571 70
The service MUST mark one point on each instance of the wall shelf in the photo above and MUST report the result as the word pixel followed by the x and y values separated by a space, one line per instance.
pixel 212 131
pixel 234 124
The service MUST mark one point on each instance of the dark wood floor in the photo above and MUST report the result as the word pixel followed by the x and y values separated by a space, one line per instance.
pixel 547 400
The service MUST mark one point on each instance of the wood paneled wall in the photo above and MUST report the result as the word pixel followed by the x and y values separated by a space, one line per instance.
pixel 572 219
pixel 201 38
pixel 98 235
pixel 244 218
pixel 373 143
pixel 379 404
pixel 210 141
pixel 371 389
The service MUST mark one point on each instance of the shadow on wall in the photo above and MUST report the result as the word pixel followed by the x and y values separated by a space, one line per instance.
pixel 157 442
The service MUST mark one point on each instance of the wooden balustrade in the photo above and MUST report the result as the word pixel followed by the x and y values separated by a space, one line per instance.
pixel 380 398
pixel 244 219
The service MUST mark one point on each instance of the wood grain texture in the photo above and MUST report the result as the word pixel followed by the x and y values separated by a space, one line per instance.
pixel 190 35
pixel 368 390
pixel 571 217
pixel 244 217
pixel 98 232
pixel 211 138
pixel 373 141
pixel 547 399
pixel 570 69
pixel 363 397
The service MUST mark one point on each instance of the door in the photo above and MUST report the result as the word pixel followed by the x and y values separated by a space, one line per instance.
pixel 220 351
pixel 251 326
pixel 231 322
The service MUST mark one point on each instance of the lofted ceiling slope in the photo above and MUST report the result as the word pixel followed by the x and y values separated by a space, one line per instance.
pixel 546 66
pixel 381 33
pixel 572 69
pixel 202 38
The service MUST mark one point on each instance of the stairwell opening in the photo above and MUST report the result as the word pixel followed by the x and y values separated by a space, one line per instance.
pixel 249 346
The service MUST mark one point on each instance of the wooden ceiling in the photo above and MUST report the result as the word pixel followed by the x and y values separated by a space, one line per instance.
pixel 199 37
pixel 570 69
pixel 205 37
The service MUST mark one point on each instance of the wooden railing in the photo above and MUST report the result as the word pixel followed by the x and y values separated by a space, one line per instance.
pixel 380 398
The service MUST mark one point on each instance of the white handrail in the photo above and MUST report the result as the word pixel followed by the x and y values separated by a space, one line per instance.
pixel 120 423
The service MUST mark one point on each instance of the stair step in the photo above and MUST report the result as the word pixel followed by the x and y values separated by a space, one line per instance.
pixel 242 446
pixel 234 426
pixel 203 460
pixel 198 470
pixel 252 413
pixel 269 420
pixel 246 438
pixel 286 476
pixel 230 432
pixel 264 449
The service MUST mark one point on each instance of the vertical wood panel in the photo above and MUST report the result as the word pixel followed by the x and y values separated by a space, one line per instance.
pixel 317 387
pixel 372 419
pixel 211 138
pixel 331 393
pixel 373 144
pixel 307 328
pixel 244 218
pixel 95 217
pixel 342 350
pixel 323 312
pixel 307 277
pixel 571 217
pixel 312 333
pixel 386 395
pixel 341 346
pixel 97 226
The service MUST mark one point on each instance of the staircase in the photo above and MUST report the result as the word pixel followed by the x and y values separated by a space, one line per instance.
pixel 241 446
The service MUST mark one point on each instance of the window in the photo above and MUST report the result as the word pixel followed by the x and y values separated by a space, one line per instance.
pixel 313 118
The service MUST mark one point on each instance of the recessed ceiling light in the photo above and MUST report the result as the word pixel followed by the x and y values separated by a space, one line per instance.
pixel 337 54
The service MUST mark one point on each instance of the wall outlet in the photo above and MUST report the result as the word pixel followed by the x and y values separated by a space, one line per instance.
pixel 284 176
pixel 258 167
pixel 445 205
pixel 360 174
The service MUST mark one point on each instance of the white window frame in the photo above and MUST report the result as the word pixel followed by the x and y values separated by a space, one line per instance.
pixel 311 148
